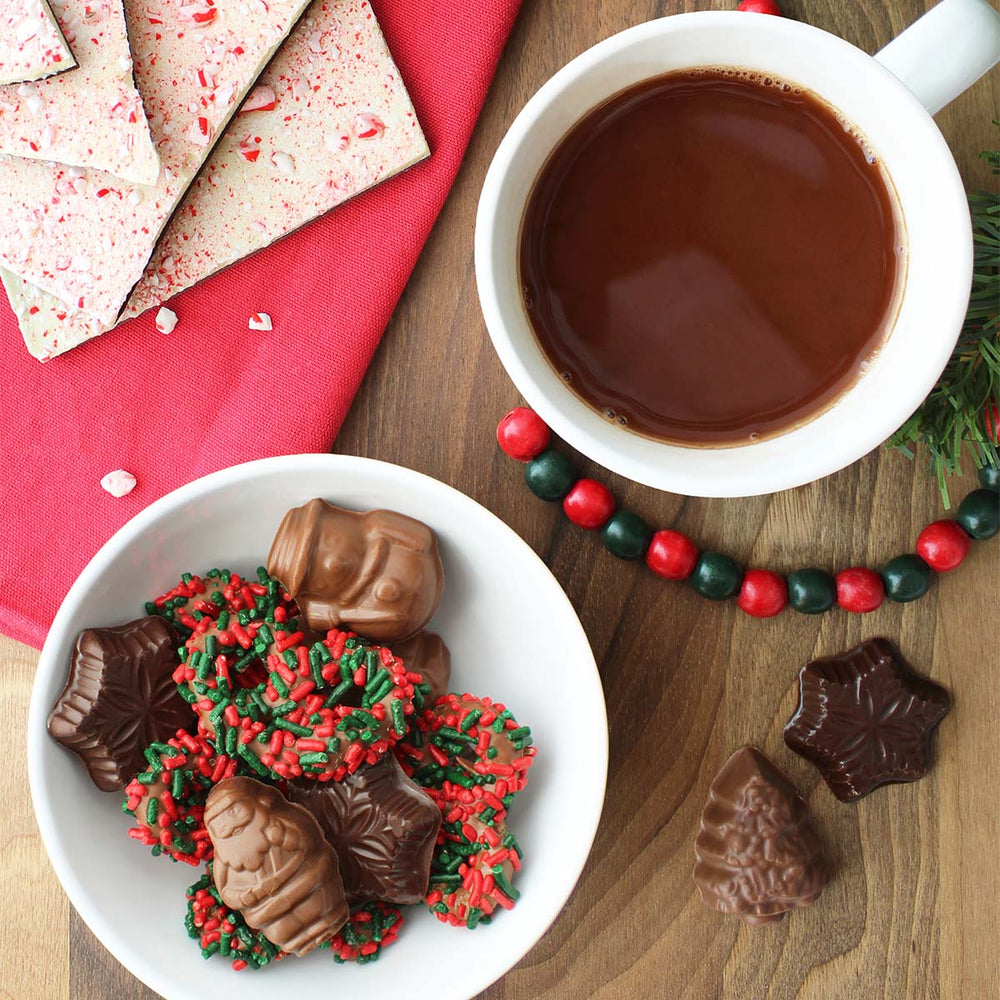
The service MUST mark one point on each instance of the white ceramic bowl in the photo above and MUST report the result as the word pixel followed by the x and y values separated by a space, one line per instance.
pixel 498 593
pixel 930 194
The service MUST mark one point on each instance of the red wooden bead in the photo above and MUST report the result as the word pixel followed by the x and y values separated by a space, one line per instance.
pixel 522 434
pixel 760 7
pixel 763 593
pixel 671 555
pixel 589 504
pixel 943 545
pixel 859 589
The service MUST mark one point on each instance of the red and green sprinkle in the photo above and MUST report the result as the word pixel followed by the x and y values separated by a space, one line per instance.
pixel 472 872
pixel 224 932
pixel 168 798
pixel 369 929
pixel 321 711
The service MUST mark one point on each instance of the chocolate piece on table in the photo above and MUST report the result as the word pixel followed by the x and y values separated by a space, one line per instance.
pixel 427 654
pixel 377 573
pixel 757 853
pixel 383 827
pixel 120 696
pixel 865 719
pixel 273 865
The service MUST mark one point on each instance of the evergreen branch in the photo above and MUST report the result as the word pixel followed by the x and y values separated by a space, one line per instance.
pixel 960 413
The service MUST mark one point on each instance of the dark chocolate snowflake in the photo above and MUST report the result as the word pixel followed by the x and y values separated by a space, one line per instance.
pixel 120 696
pixel 383 827
pixel 865 719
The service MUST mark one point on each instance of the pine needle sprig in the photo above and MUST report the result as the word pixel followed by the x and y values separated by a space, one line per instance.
pixel 960 413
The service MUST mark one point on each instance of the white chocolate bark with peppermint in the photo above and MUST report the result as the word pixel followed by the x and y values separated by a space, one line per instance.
pixel 84 236
pixel 332 119
pixel 32 46
pixel 92 117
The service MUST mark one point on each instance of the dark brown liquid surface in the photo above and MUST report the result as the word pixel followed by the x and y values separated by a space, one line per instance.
pixel 709 259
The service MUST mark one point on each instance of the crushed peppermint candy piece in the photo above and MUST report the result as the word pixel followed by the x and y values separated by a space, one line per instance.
pixel 368 126
pixel 92 117
pixel 283 162
pixel 200 13
pixel 166 320
pixel 250 149
pixel 260 321
pixel 118 483
pixel 261 99
pixel 199 131
pixel 32 46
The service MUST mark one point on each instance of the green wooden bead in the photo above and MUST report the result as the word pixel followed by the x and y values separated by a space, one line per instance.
pixel 811 591
pixel 979 514
pixel 906 578
pixel 989 478
pixel 716 576
pixel 550 475
pixel 626 535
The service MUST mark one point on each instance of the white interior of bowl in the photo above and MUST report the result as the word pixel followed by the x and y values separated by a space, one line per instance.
pixel 513 636
pixel 930 193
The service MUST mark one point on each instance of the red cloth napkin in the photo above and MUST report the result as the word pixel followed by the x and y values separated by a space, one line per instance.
pixel 172 409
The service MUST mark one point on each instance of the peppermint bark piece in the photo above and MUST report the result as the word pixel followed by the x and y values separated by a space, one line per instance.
pixel 329 119
pixel 92 117
pixel 32 45
pixel 87 239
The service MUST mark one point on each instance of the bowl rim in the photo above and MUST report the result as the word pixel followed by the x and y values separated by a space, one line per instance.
pixel 38 708
pixel 806 459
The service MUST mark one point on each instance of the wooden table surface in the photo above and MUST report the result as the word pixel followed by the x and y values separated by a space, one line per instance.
pixel 914 903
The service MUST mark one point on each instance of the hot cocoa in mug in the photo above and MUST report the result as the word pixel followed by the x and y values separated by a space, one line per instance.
pixel 711 257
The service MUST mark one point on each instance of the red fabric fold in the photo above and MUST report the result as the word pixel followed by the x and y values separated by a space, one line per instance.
pixel 213 393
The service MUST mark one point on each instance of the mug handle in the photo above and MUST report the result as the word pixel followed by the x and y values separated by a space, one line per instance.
pixel 945 51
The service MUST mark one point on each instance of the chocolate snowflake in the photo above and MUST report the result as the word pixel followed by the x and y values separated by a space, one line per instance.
pixel 383 828
pixel 120 696
pixel 865 719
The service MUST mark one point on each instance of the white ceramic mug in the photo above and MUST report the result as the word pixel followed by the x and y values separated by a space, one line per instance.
pixel 891 98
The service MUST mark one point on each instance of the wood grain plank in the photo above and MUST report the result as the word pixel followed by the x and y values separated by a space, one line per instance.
pixel 95 974
pixel 34 952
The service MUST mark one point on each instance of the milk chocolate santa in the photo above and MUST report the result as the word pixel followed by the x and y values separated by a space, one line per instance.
pixel 273 864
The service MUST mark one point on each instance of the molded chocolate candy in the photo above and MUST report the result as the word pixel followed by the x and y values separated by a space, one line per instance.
pixel 377 573
pixel 757 853
pixel 273 865
pixel 120 696
pixel 491 857
pixel 427 655
pixel 383 827
pixel 865 719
